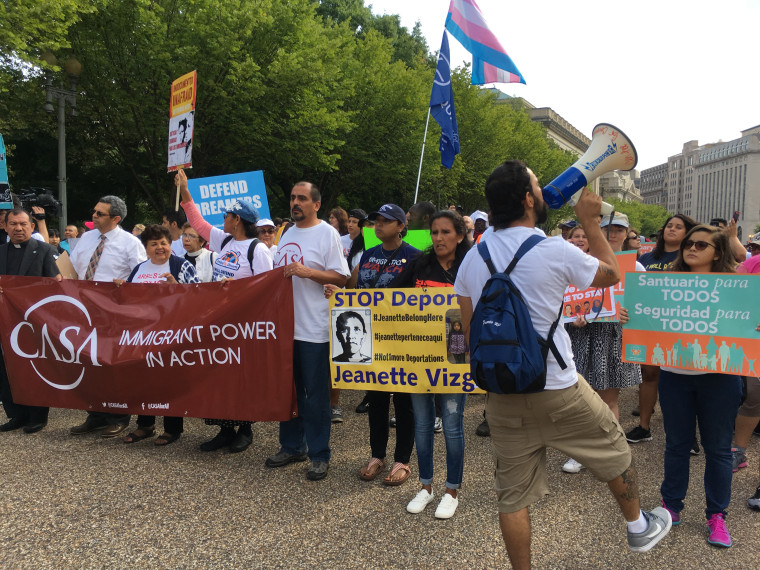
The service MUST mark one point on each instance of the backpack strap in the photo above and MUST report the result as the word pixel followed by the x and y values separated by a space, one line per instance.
pixel 524 248
pixel 552 345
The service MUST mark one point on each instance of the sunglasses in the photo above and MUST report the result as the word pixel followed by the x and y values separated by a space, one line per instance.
pixel 698 245
pixel 268 231
pixel 634 237
pixel 100 214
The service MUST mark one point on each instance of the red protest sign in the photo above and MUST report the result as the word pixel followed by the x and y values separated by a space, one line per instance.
pixel 210 350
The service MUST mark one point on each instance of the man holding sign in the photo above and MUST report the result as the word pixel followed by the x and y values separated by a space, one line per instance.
pixel 567 415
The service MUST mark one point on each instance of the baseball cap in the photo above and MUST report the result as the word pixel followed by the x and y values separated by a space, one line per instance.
pixel 358 213
pixel 569 224
pixel 245 210
pixel 264 222
pixel 391 212
pixel 618 220
pixel 755 240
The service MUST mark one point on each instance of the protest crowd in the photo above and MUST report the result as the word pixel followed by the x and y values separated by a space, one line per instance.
pixel 576 410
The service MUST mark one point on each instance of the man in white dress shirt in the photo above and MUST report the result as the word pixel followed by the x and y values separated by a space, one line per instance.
pixel 120 253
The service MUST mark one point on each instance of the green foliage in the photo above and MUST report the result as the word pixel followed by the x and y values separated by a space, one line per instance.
pixel 302 90
pixel 645 218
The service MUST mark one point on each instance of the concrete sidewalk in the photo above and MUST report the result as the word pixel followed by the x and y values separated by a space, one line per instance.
pixel 85 502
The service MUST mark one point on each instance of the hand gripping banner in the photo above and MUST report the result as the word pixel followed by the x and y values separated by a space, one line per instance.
pixel 213 350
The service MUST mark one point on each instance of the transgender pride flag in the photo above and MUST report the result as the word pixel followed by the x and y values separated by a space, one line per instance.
pixel 490 62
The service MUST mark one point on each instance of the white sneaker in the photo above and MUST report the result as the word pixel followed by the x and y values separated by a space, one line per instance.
pixel 447 507
pixel 572 466
pixel 418 504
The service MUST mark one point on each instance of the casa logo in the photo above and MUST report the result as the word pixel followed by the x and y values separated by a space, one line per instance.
pixel 58 339
pixel 289 253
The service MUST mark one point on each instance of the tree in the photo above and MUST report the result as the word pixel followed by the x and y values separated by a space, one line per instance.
pixel 646 218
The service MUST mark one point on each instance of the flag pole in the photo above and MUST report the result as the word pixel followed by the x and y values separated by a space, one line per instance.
pixel 419 172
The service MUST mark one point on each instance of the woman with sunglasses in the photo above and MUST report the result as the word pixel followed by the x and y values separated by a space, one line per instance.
pixel 661 258
pixel 632 242
pixel 265 232
pixel 709 400
pixel 238 258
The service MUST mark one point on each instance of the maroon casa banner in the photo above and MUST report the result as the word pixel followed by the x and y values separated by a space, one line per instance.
pixel 213 350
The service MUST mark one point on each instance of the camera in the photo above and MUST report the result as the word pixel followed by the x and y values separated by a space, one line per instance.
pixel 42 197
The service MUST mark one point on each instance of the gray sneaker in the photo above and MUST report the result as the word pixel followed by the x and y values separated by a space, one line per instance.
pixel 317 471
pixel 659 525
pixel 283 458
pixel 336 415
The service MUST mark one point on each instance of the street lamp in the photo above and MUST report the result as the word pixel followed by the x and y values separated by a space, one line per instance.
pixel 73 69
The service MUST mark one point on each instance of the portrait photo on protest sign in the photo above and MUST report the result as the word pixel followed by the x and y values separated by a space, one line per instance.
pixel 182 121
pixel 405 347
pixel 351 331
pixel 211 350
pixel 214 194
pixel 181 141
pixel 693 321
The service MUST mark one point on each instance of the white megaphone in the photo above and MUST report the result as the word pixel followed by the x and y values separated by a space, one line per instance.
pixel 609 150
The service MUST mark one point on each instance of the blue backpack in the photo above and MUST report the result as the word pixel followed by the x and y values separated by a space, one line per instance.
pixel 507 356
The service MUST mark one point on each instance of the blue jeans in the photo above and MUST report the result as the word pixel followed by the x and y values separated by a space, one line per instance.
pixel 712 400
pixel 310 431
pixel 452 408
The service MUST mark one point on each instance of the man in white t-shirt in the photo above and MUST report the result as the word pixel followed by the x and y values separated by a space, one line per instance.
pixel 312 256
pixel 568 415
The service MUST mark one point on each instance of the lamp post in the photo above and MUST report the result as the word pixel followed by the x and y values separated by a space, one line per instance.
pixel 73 69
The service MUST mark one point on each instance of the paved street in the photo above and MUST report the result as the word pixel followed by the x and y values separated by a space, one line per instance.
pixel 85 502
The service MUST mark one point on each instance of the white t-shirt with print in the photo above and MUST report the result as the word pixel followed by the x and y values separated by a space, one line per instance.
pixel 151 273
pixel 542 276
pixel 317 247
pixel 233 258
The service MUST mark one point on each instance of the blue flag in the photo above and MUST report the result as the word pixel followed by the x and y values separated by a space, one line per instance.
pixel 442 106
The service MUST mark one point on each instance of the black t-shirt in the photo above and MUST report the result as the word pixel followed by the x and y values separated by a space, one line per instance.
pixel 665 262
pixel 389 265
pixel 429 274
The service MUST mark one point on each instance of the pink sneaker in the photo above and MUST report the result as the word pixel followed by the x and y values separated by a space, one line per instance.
pixel 675 517
pixel 718 532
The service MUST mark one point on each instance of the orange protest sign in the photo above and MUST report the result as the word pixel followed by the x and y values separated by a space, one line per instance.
pixel 183 94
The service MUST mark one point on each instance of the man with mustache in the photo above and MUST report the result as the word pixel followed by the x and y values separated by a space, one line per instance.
pixel 312 256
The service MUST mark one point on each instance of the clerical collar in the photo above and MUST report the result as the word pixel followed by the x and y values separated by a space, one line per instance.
pixel 20 245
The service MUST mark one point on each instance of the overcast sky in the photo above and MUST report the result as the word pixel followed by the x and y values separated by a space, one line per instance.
pixel 664 72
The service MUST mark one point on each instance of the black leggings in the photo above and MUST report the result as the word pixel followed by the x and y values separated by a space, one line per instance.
pixel 379 406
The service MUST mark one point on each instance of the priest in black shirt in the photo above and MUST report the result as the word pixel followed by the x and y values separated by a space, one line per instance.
pixel 23 255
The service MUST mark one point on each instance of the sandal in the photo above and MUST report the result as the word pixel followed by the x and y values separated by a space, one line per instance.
pixel 391 480
pixel 370 471
pixel 166 438
pixel 140 434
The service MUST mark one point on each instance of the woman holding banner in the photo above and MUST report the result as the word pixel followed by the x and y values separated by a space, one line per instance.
pixel 161 267
pixel 711 400
pixel 661 258
pixel 378 268
pixel 597 346
pixel 240 255
pixel 438 268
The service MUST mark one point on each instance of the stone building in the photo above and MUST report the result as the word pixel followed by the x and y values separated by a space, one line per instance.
pixel 710 181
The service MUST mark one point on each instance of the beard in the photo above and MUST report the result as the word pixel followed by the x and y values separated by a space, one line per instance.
pixel 541 213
